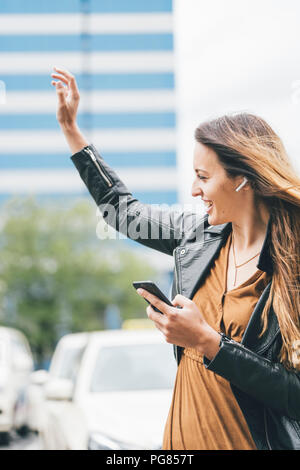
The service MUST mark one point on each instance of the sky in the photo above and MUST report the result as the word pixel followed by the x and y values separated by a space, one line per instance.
pixel 236 56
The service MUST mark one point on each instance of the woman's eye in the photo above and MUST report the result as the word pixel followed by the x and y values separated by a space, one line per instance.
pixel 201 177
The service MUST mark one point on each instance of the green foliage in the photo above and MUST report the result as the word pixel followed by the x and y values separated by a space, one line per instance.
pixel 57 277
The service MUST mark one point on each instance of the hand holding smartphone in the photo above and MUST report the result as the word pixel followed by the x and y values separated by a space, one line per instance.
pixel 153 289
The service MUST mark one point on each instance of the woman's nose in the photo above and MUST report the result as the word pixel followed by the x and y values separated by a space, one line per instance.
pixel 196 190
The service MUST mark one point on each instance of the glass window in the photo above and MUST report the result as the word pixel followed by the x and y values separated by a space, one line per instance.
pixel 134 367
pixel 69 363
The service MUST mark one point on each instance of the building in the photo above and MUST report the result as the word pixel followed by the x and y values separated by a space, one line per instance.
pixel 122 56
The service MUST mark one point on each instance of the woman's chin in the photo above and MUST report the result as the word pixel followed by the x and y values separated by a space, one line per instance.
pixel 214 220
pixel 211 219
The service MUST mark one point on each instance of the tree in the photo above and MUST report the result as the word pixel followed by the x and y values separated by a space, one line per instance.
pixel 57 277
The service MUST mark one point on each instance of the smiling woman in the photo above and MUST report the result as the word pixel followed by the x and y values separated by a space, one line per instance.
pixel 246 145
pixel 238 383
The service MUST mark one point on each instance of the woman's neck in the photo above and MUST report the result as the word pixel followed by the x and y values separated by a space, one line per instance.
pixel 250 230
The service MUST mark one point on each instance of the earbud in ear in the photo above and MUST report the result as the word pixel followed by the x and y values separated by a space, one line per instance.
pixel 242 184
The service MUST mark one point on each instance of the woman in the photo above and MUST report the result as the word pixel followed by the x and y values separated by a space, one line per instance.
pixel 238 328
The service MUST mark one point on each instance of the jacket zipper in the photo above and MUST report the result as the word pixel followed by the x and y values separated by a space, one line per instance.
pixel 94 159
pixel 176 275
pixel 177 292
pixel 266 431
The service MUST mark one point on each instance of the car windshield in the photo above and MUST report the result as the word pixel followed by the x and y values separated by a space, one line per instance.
pixel 68 364
pixel 134 367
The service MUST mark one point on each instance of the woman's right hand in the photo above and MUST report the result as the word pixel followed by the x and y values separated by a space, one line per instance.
pixel 68 98
pixel 68 101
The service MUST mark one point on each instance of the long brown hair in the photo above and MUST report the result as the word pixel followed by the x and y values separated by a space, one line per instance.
pixel 246 145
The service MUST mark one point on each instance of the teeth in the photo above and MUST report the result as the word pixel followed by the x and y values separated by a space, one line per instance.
pixel 208 204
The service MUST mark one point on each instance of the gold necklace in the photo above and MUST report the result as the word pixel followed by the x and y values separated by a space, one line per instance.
pixel 238 266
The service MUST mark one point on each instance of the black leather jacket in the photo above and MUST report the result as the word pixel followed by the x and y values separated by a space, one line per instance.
pixel 267 393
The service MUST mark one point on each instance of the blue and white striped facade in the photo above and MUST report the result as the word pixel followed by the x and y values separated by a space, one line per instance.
pixel 121 53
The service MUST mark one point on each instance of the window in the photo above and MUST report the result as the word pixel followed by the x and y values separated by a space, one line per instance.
pixel 134 367
pixel 68 364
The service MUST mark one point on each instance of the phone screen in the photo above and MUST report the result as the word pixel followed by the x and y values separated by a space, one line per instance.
pixel 153 289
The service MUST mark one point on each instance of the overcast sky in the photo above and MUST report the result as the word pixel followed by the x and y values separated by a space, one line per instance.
pixel 236 55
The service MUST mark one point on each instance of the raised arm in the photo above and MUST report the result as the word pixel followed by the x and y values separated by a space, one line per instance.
pixel 159 228
pixel 67 105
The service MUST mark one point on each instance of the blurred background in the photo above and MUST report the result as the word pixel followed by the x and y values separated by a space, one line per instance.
pixel 148 73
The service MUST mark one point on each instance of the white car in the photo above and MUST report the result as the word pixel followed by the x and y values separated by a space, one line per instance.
pixel 16 365
pixel 108 390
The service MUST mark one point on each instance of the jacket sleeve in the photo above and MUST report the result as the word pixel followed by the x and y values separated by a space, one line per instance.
pixel 159 228
pixel 269 382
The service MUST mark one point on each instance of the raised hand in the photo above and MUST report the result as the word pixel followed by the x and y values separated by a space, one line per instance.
pixel 67 106
pixel 68 97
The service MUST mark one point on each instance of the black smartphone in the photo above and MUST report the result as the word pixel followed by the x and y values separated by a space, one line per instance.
pixel 153 289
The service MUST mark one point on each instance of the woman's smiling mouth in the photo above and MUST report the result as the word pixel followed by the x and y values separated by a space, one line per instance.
pixel 208 205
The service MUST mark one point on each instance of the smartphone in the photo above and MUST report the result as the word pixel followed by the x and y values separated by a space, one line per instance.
pixel 153 289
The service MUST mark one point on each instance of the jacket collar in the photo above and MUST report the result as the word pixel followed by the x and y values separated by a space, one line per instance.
pixel 264 261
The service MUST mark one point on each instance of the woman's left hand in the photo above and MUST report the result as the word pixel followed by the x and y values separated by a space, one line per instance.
pixel 183 326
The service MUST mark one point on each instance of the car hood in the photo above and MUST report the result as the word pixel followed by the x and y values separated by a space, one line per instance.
pixel 137 417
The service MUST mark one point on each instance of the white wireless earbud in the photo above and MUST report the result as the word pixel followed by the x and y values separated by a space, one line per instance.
pixel 242 184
